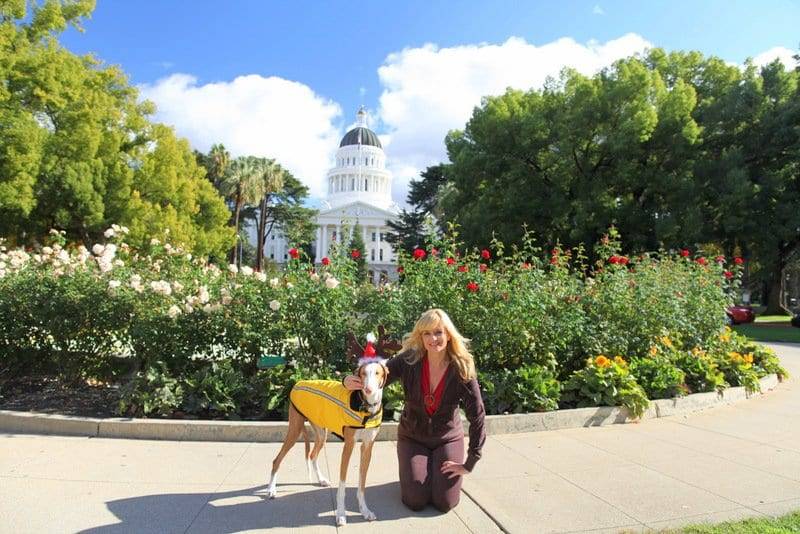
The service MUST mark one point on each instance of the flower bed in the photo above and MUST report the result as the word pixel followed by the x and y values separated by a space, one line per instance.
pixel 547 329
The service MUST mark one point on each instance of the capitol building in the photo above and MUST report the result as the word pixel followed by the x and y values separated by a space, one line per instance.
pixel 359 191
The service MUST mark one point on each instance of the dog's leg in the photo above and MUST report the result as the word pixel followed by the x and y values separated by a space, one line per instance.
pixel 367 440
pixel 319 442
pixel 349 443
pixel 296 425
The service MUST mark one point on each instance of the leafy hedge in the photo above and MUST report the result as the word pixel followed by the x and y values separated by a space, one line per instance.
pixel 547 330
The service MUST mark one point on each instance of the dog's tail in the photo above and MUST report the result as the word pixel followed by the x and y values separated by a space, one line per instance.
pixel 308 445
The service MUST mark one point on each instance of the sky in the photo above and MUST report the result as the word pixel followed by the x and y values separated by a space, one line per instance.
pixel 283 79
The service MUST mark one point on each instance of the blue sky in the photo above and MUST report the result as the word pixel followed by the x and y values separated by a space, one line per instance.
pixel 250 73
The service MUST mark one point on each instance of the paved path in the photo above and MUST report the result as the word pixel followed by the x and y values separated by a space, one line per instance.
pixel 725 463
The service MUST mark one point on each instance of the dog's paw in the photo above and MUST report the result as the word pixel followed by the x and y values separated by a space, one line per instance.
pixel 324 482
pixel 271 493
pixel 368 515
pixel 341 520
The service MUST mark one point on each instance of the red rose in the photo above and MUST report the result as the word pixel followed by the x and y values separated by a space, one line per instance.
pixel 463 268
pixel 684 253
pixel 728 275
pixel 473 287
pixel 720 259
pixel 738 261
pixel 419 254
pixel 483 267
pixel 701 261
pixel 613 259
pixel 554 252
pixel 485 254
pixel 400 269
pixel 623 260
pixel 553 260
pixel 294 253
pixel 450 261
pixel 326 260
pixel 526 265
pixel 355 254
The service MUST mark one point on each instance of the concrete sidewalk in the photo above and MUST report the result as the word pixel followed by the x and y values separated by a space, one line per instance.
pixel 729 462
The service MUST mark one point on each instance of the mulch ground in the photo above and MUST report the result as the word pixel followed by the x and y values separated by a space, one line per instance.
pixel 49 395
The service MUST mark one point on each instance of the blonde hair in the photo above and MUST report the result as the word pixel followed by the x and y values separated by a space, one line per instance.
pixel 457 351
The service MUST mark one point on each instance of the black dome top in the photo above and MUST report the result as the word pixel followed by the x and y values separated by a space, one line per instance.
pixel 367 137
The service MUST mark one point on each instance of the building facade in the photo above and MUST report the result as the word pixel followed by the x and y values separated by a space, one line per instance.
pixel 359 191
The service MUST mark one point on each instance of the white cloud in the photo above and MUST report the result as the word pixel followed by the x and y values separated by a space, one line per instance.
pixel 253 115
pixel 597 10
pixel 430 90
pixel 778 52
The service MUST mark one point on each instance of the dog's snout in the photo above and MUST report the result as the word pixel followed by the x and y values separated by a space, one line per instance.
pixel 368 390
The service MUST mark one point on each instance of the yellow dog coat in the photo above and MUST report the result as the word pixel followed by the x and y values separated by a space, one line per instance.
pixel 329 404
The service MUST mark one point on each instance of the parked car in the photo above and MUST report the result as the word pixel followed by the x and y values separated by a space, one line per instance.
pixel 740 314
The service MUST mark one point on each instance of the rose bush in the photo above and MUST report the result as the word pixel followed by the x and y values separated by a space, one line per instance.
pixel 182 335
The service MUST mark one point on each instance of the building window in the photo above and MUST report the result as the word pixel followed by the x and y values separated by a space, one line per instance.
pixel 352 184
pixel 366 182
pixel 380 237
pixel 284 256
pixel 271 256
pixel 334 236
pixel 373 237
pixel 381 254
pixel 273 237
pixel 372 255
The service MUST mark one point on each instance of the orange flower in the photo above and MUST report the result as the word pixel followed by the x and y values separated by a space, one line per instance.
pixel 748 357
pixel 602 361
pixel 619 360
pixel 653 350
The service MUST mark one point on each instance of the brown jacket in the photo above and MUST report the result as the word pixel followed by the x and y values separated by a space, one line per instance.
pixel 445 423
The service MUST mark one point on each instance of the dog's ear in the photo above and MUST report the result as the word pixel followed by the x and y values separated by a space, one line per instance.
pixel 354 349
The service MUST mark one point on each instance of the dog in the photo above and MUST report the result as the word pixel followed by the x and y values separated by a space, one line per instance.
pixel 352 416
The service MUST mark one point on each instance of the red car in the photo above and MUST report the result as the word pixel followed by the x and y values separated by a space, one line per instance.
pixel 740 314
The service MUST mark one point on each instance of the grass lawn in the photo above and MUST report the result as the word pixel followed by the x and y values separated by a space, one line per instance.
pixel 787 334
pixel 780 525
pixel 773 319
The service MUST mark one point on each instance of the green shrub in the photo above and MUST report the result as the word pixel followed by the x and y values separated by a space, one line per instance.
pixel 605 382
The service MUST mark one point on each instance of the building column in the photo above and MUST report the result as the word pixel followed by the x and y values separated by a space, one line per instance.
pixel 318 255
pixel 339 233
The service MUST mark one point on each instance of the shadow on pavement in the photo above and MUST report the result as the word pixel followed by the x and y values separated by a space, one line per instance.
pixel 249 509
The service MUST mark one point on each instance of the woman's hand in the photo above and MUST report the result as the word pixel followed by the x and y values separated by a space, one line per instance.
pixel 453 469
pixel 352 382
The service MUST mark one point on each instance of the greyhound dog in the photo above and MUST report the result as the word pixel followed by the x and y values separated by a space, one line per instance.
pixel 353 416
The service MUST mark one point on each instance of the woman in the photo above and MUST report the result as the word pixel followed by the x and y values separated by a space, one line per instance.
pixel 438 374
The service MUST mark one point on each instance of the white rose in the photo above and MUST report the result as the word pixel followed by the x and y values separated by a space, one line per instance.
pixel 177 286
pixel 274 305
pixel 174 311
pixel 315 277
pixel 289 285
pixel 226 300
pixel 203 295
pixel 274 282
pixel 63 255
pixel 233 268
pixel 124 229
pixel 247 271
pixel 97 249
pixel 47 251
pixel 154 242
pixel 114 284
pixel 104 265
pixel 119 263
pixel 136 279
pixel 109 233
pixel 261 277
pixel 188 307
pixel 331 283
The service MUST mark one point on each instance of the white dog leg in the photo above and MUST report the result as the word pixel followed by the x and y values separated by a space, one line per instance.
pixel 341 514
pixel 271 490
pixel 363 508
pixel 324 482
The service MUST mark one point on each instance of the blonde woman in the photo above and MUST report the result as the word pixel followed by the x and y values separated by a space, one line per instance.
pixel 438 375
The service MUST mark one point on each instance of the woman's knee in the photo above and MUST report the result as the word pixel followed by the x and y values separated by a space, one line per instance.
pixel 415 502
pixel 444 505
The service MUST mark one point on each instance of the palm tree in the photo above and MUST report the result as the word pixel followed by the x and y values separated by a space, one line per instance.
pixel 243 184
pixel 272 176
pixel 218 161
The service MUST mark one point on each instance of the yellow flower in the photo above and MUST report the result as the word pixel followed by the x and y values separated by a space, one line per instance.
pixel 602 361
pixel 725 337
pixel 735 356
pixel 748 357
pixel 666 341
pixel 619 360
pixel 653 350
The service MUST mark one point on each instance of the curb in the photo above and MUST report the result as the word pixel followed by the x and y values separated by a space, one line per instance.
pixel 13 422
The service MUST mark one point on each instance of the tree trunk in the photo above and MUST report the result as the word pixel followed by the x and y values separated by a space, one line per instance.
pixel 262 223
pixel 234 252
pixel 775 301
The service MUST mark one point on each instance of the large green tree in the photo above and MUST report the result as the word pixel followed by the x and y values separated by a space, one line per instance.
pixel 77 150
pixel 674 149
